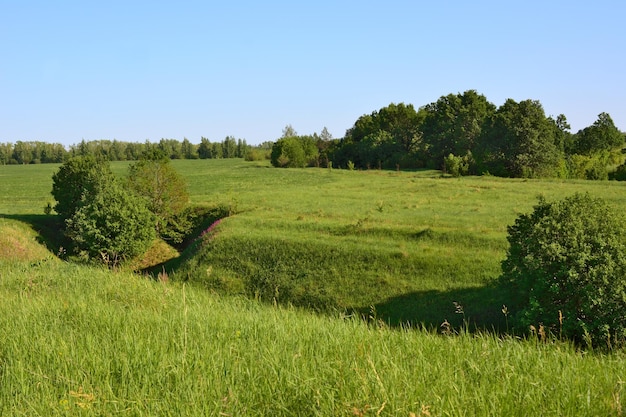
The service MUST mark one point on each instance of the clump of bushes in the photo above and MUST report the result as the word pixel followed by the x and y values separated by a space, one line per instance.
pixel 457 165
pixel 566 268
pixel 103 220
pixel 294 152
pixel 109 220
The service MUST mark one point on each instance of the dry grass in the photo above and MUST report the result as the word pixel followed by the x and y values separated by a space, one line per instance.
pixel 19 243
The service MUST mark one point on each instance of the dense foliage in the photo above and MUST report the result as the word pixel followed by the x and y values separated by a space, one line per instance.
pixel 37 152
pixel 567 267
pixel 76 177
pixel 298 151
pixel 387 138
pixel 294 152
pixel 111 225
pixel 164 192
pixel 103 220
pixel 516 139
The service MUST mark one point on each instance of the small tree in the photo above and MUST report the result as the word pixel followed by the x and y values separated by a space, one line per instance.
pixel 457 165
pixel 75 177
pixel 567 267
pixel 164 191
pixel 288 152
pixel 110 225
pixel 102 220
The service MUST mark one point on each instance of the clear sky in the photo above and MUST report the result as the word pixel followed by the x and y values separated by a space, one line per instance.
pixel 146 70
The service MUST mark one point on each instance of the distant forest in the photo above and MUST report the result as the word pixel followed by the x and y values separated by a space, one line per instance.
pixel 460 134
pixel 113 150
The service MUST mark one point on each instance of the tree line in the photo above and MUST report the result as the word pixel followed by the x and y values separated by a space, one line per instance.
pixel 461 134
pixel 36 152
pixel 465 134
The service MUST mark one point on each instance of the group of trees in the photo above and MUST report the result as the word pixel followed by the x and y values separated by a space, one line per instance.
pixel 469 134
pixel 109 219
pixel 297 151
pixel 459 133
pixel 113 150
pixel 32 153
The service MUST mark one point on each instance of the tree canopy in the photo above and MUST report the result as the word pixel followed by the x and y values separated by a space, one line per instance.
pixel 103 220
pixel 516 139
pixel 163 190
pixel 566 267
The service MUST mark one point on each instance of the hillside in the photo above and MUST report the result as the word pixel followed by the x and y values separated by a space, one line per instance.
pixel 19 242
pixel 395 247
pixel 76 340
pixel 405 247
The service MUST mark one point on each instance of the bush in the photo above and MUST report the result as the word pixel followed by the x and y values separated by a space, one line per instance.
pixel 457 165
pixel 566 267
pixel 111 225
pixel 294 152
pixel 289 153
pixel 165 193
pixel 74 178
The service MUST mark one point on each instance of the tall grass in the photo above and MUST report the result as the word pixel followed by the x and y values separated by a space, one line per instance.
pixel 403 246
pixel 397 247
pixel 82 341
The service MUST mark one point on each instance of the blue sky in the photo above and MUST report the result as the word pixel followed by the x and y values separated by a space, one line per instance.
pixel 146 70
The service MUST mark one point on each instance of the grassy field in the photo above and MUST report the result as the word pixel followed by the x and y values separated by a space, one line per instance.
pixel 401 247
pixel 83 341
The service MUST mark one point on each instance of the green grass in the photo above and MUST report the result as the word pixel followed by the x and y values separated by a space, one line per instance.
pixel 83 341
pixel 397 247
pixel 404 244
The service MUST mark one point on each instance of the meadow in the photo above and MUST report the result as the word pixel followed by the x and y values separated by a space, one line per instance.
pixel 234 326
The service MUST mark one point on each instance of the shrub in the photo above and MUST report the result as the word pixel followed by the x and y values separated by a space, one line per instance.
pixel 75 177
pixel 457 165
pixel 165 193
pixel 111 225
pixel 566 267
pixel 294 152
pixel 288 152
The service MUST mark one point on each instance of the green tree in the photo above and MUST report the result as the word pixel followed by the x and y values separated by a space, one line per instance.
pixel 457 165
pixel 603 135
pixel 6 150
pixel 520 142
pixel 566 267
pixel 217 150
pixel 289 132
pixel 110 225
pixel 229 147
pixel 288 152
pixel 118 151
pixel 78 176
pixel 188 150
pixel 397 125
pixel 204 149
pixel 171 147
pixel 242 148
pixel 23 152
pixel 164 192
pixel 454 125
pixel 325 135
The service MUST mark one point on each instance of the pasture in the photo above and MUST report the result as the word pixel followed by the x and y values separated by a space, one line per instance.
pixel 224 334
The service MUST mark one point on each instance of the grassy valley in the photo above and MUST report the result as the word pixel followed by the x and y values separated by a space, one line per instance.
pixel 222 331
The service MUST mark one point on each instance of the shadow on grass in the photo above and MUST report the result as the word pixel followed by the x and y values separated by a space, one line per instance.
pixel 472 308
pixel 478 308
pixel 47 227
